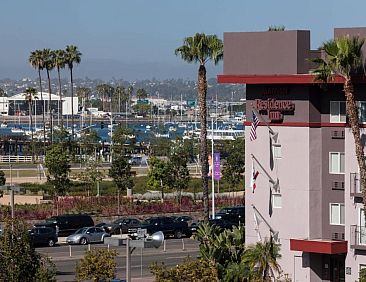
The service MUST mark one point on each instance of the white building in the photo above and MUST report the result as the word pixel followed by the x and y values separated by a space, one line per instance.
pixel 17 105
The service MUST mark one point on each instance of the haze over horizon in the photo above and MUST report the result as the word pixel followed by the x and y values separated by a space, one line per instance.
pixel 136 40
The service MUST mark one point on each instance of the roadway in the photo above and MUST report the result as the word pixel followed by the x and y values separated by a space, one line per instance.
pixel 173 255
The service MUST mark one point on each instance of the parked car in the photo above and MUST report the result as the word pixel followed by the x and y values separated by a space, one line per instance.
pixel 68 223
pixel 236 214
pixel 87 235
pixel 166 224
pixel 43 236
pixel 192 223
pixel 222 223
pixel 121 225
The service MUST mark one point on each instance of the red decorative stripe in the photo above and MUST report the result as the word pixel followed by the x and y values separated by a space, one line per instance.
pixel 305 124
pixel 279 79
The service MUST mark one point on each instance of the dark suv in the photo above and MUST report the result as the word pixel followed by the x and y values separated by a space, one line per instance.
pixel 43 236
pixel 67 224
pixel 235 215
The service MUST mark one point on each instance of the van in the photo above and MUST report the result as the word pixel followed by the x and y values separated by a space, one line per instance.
pixel 67 224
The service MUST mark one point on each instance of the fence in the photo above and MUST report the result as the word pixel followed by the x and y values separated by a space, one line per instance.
pixel 19 159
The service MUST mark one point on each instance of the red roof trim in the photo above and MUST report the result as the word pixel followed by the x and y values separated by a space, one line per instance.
pixel 274 79
pixel 305 124
pixel 319 246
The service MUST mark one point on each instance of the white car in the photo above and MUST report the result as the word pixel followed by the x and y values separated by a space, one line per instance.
pixel 87 235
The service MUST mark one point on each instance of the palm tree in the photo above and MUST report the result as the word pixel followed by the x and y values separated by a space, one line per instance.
pixel 104 90
pixel 262 258
pixel 29 95
pixel 37 62
pixel 129 94
pixel 141 94
pixel 202 48
pixel 49 65
pixel 59 63
pixel 3 93
pixel 120 92
pixel 343 57
pixel 73 56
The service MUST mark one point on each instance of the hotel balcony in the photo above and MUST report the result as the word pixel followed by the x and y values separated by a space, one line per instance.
pixel 355 185
pixel 358 237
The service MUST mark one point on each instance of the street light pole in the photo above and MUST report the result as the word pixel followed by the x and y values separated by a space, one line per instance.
pixel 11 192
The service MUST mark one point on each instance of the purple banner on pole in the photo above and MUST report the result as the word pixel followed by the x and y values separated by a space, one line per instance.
pixel 217 170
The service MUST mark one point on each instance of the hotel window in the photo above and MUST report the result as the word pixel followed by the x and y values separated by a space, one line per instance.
pixel 362 111
pixel 276 201
pixel 337 111
pixel 337 214
pixel 277 152
pixel 336 162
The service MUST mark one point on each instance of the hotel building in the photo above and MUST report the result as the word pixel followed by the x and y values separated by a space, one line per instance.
pixel 307 192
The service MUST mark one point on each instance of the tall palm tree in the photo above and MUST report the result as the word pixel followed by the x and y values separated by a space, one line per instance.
pixel 3 93
pixel 37 62
pixel 59 63
pixel 343 57
pixel 120 92
pixel 129 94
pixel 49 65
pixel 202 48
pixel 30 95
pixel 262 258
pixel 73 56
pixel 141 93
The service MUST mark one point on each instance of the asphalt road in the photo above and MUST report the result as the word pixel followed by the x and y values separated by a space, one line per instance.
pixel 173 255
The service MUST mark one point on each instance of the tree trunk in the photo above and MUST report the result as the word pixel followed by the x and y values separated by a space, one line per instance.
pixel 352 112
pixel 202 91
pixel 31 122
pixel 43 110
pixel 72 105
pixel 60 100
pixel 49 105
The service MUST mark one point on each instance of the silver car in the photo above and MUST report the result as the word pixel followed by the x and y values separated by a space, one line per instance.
pixel 87 235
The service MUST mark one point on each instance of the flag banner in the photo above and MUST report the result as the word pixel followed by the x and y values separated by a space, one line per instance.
pixel 254 175
pixel 253 129
pixel 216 167
pixel 210 166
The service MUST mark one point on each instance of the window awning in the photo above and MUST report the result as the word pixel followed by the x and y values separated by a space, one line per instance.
pixel 319 246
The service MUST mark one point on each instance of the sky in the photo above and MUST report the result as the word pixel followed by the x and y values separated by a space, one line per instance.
pixel 136 39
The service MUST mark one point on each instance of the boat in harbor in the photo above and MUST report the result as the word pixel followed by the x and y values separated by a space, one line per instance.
pixel 229 134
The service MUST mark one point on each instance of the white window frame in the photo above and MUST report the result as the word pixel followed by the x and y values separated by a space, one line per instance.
pixel 273 202
pixel 277 151
pixel 340 214
pixel 338 118
pixel 339 163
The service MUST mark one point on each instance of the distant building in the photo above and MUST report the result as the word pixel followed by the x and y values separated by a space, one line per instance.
pixel 17 105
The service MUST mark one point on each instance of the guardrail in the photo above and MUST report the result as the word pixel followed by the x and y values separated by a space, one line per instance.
pixel 19 159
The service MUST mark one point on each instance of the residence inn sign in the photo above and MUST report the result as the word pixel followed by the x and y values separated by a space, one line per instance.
pixel 275 108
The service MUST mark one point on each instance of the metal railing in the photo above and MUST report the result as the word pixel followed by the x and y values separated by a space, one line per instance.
pixel 18 159
pixel 355 185
pixel 358 237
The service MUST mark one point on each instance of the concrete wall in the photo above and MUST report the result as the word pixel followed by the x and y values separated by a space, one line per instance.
pixel 352 208
pixel 270 52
